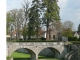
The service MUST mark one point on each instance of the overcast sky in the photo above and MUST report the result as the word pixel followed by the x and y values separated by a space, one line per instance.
pixel 69 9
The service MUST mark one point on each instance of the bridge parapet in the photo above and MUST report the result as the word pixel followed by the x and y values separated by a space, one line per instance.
pixel 35 43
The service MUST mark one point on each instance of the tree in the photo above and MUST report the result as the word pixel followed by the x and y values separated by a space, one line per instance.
pixel 24 32
pixel 68 24
pixel 17 17
pixel 57 25
pixel 67 32
pixel 79 28
pixel 37 10
pixel 51 13
pixel 67 28
pixel 31 24
pixel 34 19
pixel 26 19
pixel 8 22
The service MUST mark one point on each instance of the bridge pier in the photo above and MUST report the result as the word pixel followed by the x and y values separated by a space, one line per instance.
pixel 11 59
pixel 33 57
pixel 36 56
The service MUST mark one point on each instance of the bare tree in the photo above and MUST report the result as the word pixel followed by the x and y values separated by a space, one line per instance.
pixel 68 24
pixel 67 28
pixel 17 16
pixel 57 25
pixel 26 18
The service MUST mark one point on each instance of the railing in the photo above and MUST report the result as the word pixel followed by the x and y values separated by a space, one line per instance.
pixel 35 43
pixel 73 55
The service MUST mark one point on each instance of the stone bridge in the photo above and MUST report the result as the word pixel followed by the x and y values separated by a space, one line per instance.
pixel 35 48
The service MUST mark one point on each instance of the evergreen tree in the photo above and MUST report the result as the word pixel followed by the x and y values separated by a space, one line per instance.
pixel 31 24
pixel 79 28
pixel 51 13
pixel 34 18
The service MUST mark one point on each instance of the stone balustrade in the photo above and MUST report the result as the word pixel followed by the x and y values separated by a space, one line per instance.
pixel 36 43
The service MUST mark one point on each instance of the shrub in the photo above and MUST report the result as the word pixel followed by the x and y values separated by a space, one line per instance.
pixel 42 38
pixel 75 39
pixel 79 39
pixel 72 38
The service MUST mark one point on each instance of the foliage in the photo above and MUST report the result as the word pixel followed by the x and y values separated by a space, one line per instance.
pixel 34 19
pixel 24 32
pixel 9 21
pixel 15 19
pixel 29 20
pixel 51 13
pixel 57 25
pixel 67 32
pixel 26 19
pixel 42 38
pixel 79 39
pixel 79 28
pixel 68 25
pixel 72 38
pixel 67 29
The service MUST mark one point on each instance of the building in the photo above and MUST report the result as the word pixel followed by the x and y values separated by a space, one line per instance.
pixel 42 33
pixel 77 34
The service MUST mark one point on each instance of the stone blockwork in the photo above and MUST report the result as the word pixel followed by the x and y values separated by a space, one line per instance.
pixel 36 47
pixel 74 52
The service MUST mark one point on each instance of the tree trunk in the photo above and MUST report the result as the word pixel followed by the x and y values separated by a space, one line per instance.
pixel 47 35
pixel 11 34
pixel 37 34
pixel 29 34
pixel 18 31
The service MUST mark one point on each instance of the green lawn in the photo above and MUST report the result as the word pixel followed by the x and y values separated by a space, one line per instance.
pixel 20 56
pixel 74 42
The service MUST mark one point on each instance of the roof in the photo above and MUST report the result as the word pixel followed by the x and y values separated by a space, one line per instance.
pixel 41 32
pixel 76 32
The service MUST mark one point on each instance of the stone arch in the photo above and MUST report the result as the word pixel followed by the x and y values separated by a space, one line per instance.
pixel 57 52
pixel 32 53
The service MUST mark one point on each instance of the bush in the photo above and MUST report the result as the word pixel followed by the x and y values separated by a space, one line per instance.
pixel 7 39
pixel 42 38
pixel 69 38
pixel 79 39
pixel 72 38
pixel 75 38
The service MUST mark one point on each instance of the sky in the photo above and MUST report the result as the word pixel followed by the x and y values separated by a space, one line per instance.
pixel 69 9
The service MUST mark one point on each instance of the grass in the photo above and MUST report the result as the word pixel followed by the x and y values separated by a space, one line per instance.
pixel 21 56
pixel 74 42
